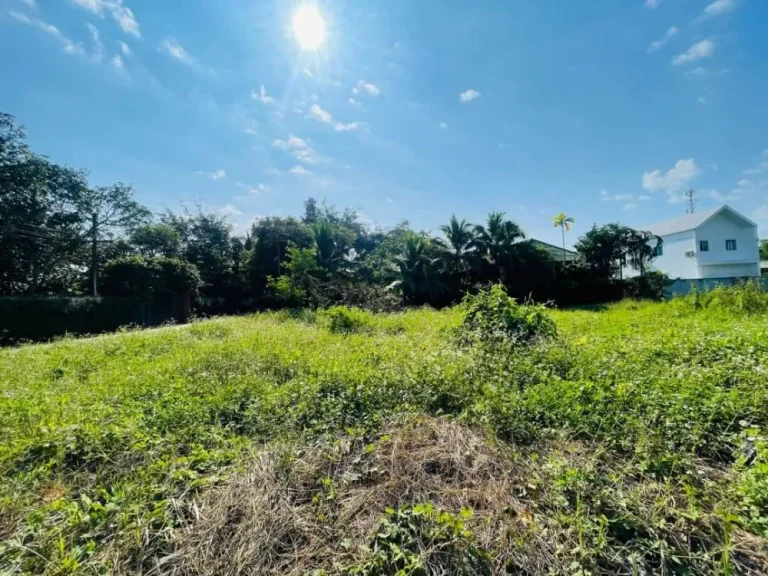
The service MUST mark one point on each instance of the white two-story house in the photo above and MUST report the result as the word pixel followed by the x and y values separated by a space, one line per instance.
pixel 718 244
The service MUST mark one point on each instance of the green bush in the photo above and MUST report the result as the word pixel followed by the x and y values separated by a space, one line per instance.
pixel 745 298
pixel 345 320
pixel 492 314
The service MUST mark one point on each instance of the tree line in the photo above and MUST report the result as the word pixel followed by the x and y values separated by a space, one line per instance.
pixel 60 236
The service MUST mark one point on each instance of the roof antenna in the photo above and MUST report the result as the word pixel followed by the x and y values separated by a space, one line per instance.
pixel 691 199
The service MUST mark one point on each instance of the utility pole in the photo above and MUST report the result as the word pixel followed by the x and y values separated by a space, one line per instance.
pixel 691 199
pixel 94 252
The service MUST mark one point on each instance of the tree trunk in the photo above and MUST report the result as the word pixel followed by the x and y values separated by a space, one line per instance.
pixel 94 254
pixel 562 229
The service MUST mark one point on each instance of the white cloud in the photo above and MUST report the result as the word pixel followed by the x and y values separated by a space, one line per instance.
pixel 30 3
pixel 125 49
pixel 673 179
pixel 119 12
pixel 719 7
pixel 251 131
pixel 701 100
pixel 760 215
pixel 621 197
pixel 117 63
pixel 325 117
pixel 299 170
pixel 668 35
pixel 293 142
pixel 229 211
pixel 652 4
pixel 606 197
pixel 177 51
pixel 307 72
pixel 761 167
pixel 258 189
pixel 262 96
pixel 469 95
pixel 215 176
pixel 68 45
pixel 363 86
pixel 443 126
pixel 319 114
pixel 390 201
pixel 98 45
pixel 644 197
pixel 628 207
pixel 355 103
pixel 702 49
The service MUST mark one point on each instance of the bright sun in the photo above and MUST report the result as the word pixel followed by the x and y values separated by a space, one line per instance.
pixel 308 27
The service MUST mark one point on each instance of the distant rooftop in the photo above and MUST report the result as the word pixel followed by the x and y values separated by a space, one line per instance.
pixel 555 251
pixel 689 221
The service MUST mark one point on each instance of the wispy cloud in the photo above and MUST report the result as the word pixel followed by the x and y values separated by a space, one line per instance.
pixel 443 126
pixel 258 189
pixel 262 96
pixel 175 50
pixel 299 170
pixel 628 207
pixel 643 197
pixel 469 95
pixel 719 7
pixel 701 72
pixel 229 211
pixel 307 72
pixel 761 167
pixel 300 150
pixel 117 63
pixel 702 49
pixel 30 3
pixel 119 12
pixel 215 176
pixel 67 45
pixel 365 87
pixel 325 117
pixel 125 49
pixel 355 103
pixel 652 4
pixel 701 100
pixel 672 180
pixel 98 45
pixel 606 197
pixel 660 43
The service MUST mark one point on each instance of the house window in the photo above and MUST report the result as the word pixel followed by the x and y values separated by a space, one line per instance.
pixel 730 245
pixel 703 245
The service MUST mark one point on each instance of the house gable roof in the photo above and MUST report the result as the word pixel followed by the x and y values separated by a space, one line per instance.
pixel 693 221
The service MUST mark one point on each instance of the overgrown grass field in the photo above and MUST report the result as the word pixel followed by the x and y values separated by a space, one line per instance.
pixel 631 442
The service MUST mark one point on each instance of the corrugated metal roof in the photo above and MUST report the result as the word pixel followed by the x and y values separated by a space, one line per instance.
pixel 687 222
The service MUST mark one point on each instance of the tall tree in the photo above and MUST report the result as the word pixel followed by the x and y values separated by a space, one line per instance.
pixel 419 278
pixel 564 223
pixel 494 243
pixel 156 239
pixel 112 211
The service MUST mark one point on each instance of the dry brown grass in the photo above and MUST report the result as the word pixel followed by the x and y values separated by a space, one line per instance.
pixel 296 512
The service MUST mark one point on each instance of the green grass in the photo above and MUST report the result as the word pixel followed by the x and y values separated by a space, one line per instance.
pixel 106 442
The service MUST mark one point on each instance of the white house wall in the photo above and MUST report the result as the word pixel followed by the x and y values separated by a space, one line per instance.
pixel 673 262
pixel 719 262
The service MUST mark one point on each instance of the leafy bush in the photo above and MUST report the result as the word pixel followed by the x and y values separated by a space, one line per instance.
pixel 346 320
pixel 492 314
pixel 745 298
pixel 647 287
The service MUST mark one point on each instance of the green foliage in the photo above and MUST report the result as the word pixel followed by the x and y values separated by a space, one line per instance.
pixel 107 443
pixel 492 315
pixel 410 540
pixel 346 320
pixel 649 286
pixel 745 298
pixel 134 276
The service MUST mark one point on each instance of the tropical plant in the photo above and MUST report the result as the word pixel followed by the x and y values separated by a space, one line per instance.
pixel 564 223
pixel 419 278
pixel 330 256
pixel 494 242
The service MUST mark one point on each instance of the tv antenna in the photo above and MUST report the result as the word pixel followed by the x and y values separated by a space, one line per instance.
pixel 690 198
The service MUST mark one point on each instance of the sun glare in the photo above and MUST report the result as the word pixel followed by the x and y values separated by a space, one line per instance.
pixel 308 27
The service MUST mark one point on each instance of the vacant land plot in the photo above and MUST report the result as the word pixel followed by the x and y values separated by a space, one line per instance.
pixel 632 442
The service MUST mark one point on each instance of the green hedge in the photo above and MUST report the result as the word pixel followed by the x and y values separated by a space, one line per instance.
pixel 39 319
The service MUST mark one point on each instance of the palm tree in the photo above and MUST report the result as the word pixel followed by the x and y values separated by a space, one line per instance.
pixel 494 241
pixel 564 222
pixel 418 280
pixel 329 255
pixel 457 244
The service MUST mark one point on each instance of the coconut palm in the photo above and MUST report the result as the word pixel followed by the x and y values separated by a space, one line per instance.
pixel 564 222
pixel 329 255
pixel 457 244
pixel 494 241
pixel 419 278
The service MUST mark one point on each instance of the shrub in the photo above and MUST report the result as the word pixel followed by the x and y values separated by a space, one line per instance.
pixel 345 320
pixel 648 287
pixel 745 298
pixel 492 314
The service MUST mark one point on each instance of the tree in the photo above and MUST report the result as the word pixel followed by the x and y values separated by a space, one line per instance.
pixel 606 249
pixel 41 221
pixel 419 278
pixel 494 244
pixel 564 223
pixel 156 239
pixel 330 257
pixel 763 249
pixel 111 209
pixel 458 244
pixel 640 248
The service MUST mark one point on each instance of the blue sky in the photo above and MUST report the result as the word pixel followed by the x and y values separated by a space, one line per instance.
pixel 608 110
